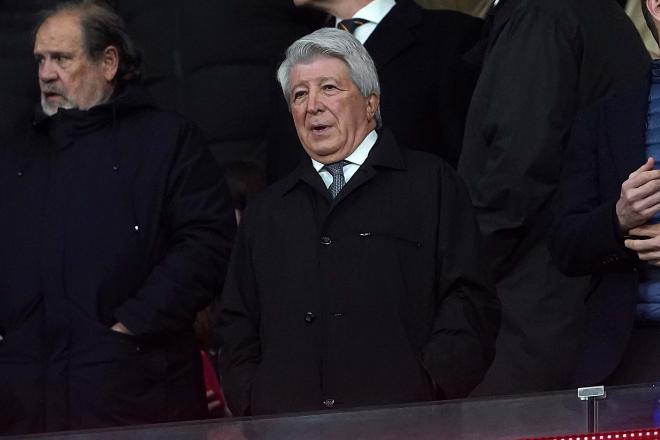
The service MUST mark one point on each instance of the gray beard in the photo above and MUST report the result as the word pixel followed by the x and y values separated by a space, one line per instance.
pixel 50 109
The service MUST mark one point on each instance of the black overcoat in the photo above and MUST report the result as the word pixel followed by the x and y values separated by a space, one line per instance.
pixel 372 298
pixel 113 214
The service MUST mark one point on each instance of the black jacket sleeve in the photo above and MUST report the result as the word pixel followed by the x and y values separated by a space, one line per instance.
pixel 518 124
pixel 586 238
pixel 200 225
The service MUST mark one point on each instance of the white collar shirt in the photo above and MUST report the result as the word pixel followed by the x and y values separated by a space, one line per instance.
pixel 356 159
pixel 374 13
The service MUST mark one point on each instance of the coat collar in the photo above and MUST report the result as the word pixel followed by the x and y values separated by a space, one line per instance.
pixel 384 154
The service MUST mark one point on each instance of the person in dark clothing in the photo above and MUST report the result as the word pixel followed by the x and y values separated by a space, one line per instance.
pixel 368 286
pixel 608 229
pixel 405 41
pixel 115 231
pixel 544 61
pixel 193 50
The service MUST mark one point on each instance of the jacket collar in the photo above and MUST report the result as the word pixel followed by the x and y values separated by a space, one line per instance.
pixel 124 99
pixel 394 33
pixel 384 154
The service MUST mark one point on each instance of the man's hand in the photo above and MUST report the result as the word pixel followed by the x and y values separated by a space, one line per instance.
pixel 121 328
pixel 648 249
pixel 640 197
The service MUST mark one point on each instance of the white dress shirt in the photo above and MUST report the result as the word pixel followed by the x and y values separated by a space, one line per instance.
pixel 374 13
pixel 356 159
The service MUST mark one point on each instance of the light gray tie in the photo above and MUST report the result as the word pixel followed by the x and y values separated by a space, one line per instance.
pixel 338 181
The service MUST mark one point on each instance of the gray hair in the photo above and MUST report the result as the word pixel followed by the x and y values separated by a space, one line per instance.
pixel 101 27
pixel 335 43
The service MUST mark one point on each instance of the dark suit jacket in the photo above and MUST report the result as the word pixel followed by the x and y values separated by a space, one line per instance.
pixel 425 85
pixel 608 144
pixel 368 299
pixel 548 61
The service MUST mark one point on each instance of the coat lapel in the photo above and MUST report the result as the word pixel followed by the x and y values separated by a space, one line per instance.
pixel 385 153
pixel 625 117
pixel 306 174
pixel 394 33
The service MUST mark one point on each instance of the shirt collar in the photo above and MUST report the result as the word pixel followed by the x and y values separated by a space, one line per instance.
pixel 360 154
pixel 374 12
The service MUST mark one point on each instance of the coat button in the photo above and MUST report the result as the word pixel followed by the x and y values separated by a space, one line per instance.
pixel 329 403
pixel 309 317
pixel 326 240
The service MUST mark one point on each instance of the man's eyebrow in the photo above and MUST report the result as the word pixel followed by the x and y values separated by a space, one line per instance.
pixel 53 53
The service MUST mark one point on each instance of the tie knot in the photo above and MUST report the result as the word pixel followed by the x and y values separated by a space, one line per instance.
pixel 350 24
pixel 336 168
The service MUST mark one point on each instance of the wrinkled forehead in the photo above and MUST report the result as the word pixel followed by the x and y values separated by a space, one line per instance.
pixel 60 32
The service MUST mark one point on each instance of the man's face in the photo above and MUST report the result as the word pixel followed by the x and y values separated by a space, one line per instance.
pixel 330 114
pixel 68 78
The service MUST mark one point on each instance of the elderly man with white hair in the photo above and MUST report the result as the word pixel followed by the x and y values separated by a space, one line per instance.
pixel 358 279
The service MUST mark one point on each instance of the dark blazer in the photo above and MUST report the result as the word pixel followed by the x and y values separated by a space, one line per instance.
pixel 425 84
pixel 549 60
pixel 607 145
pixel 373 298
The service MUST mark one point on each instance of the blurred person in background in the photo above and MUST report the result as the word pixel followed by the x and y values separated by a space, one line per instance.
pixel 608 228
pixel 543 61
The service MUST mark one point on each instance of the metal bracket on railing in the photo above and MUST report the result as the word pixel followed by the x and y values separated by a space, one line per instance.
pixel 592 395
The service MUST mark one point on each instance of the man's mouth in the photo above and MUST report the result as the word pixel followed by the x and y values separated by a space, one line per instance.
pixel 319 128
pixel 52 95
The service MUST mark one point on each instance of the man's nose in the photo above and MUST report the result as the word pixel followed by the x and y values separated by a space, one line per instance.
pixel 47 72
pixel 314 102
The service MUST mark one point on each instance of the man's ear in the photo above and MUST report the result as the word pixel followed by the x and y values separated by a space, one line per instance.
pixel 110 63
pixel 373 101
